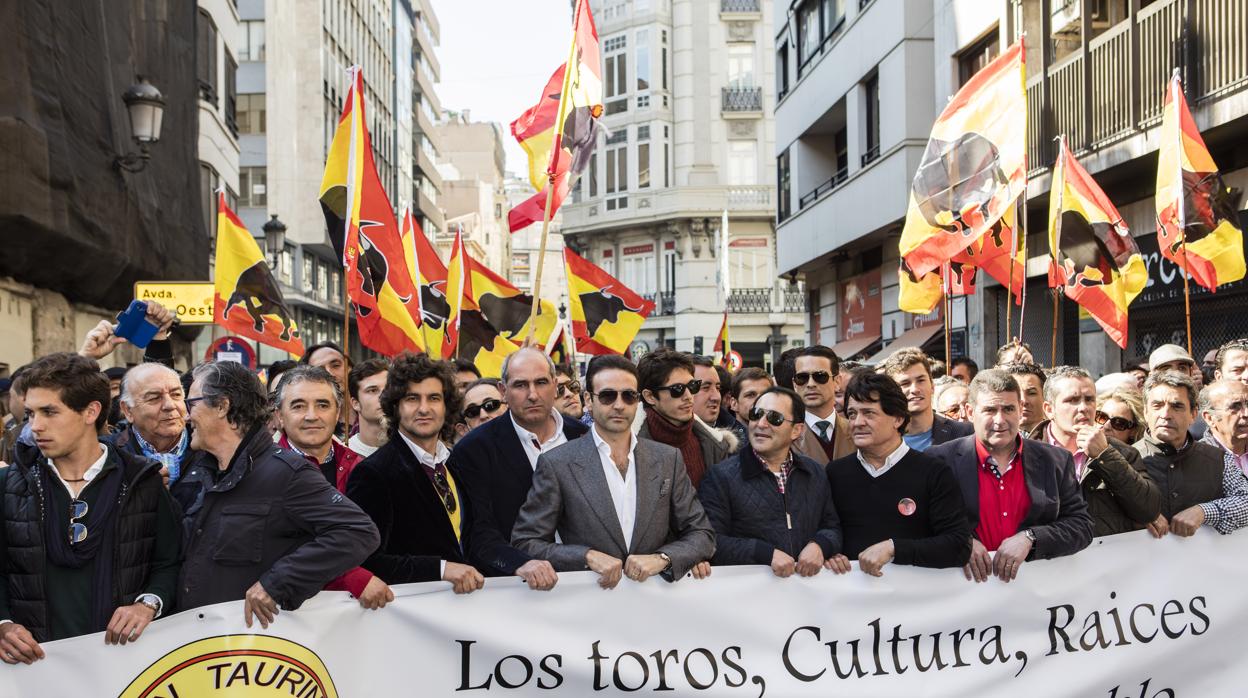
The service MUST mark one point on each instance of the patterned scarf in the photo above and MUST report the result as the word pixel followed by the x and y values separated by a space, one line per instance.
pixel 171 460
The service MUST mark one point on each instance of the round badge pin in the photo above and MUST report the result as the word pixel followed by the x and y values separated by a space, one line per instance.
pixel 906 506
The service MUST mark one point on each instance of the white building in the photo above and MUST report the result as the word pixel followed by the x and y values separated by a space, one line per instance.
pixel 473 200
pixel 688 93
pixel 218 32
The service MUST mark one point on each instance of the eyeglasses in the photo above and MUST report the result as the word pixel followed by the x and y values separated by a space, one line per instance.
pixel 678 389
pixel 952 412
pixel 1238 406
pixel 444 490
pixel 489 406
pixel 192 401
pixel 609 396
pixel 821 377
pixel 774 418
pixel 1117 423
pixel 77 531
pixel 565 387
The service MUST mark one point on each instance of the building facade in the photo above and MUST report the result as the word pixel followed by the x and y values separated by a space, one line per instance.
pixel 473 200
pixel 688 92
pixel 1096 72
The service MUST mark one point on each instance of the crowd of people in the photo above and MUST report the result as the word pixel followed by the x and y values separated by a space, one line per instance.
pixel 128 495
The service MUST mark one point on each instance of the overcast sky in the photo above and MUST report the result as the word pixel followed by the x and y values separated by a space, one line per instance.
pixel 496 56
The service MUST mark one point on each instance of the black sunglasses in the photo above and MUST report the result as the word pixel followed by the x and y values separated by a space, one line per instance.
pixel 565 387
pixel 1116 422
pixel 678 389
pixel 190 402
pixel 609 396
pixel 490 405
pixel 774 418
pixel 77 531
pixel 821 377
pixel 444 491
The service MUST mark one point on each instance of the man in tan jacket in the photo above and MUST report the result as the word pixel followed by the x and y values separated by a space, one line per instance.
pixel 827 436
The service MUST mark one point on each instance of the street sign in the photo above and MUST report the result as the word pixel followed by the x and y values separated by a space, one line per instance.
pixel 232 349
pixel 735 361
pixel 191 300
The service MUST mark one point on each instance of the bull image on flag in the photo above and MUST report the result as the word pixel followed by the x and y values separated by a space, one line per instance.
pixel 606 314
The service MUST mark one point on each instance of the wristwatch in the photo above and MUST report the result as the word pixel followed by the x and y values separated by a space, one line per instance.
pixel 152 601
pixel 1031 535
pixel 668 560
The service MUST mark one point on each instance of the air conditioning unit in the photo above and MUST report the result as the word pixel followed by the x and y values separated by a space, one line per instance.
pixel 1068 14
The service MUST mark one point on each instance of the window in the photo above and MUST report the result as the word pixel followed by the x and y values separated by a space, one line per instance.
pixel 322 281
pixel 978 55
pixel 807 32
pixel 309 274
pixel 253 41
pixel 285 265
pixel 593 175
pixel 782 185
pixel 840 144
pixel 833 17
pixel 206 57
pixel 231 94
pixel 665 159
pixel 871 92
pixel 616 68
pixel 663 59
pixel 617 170
pixel 643 166
pixel 253 181
pixel 742 163
pixel 782 70
pixel 643 60
pixel 740 65
pixel 251 114
pixel 209 182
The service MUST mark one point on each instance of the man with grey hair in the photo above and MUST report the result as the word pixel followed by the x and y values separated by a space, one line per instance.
pixel 1121 495
pixel 1022 496
pixel 1200 487
pixel 154 405
pixel 1224 404
pixel 496 460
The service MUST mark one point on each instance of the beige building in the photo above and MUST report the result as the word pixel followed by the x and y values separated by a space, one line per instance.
pixel 526 242
pixel 473 198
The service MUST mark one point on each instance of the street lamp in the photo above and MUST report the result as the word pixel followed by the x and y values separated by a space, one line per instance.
pixel 146 108
pixel 274 238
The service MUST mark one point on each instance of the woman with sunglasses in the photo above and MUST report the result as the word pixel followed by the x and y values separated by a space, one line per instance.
pixel 1121 412
pixel 483 401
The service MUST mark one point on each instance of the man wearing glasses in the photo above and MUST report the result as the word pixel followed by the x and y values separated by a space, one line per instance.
pixel 568 393
pixel 770 505
pixel 1120 493
pixel 621 506
pixel 826 437
pixel 89 541
pixel 668 389
pixel 1224 403
pixel 483 401
pixel 913 372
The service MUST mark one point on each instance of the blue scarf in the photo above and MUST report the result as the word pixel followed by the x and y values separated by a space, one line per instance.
pixel 171 460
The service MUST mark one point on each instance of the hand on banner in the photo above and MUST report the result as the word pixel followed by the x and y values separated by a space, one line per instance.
pixel 639 568
pixel 128 623
pixel 1187 522
pixel 464 578
pixel 1092 440
pixel 609 569
pixel 539 574
pixel 702 570
pixel 1010 556
pixel 979 569
pixel 873 559
pixel 782 564
pixel 810 560
pixel 839 564
pixel 18 645
pixel 257 601
pixel 100 341
pixel 376 594
pixel 1159 527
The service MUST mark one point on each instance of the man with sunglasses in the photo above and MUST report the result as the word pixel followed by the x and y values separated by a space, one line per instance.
pixel 364 384
pixel 1224 403
pixel 815 377
pixel 1120 493
pixel 770 505
pixel 483 401
pixel 668 389
pixel 620 506
pixel 912 370
pixel 89 534
pixel 950 398
pixel 568 393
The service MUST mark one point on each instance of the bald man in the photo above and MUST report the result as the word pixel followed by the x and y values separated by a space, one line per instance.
pixel 1224 405
pixel 154 404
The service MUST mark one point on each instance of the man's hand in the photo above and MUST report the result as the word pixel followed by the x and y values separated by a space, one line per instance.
pixel 609 569
pixel 810 560
pixel 639 568
pixel 979 568
pixel 376 594
pixel 464 578
pixel 1159 527
pixel 1186 522
pixel 539 574
pixel 17 645
pixel 873 559
pixel 1010 556
pixel 128 623
pixel 100 341
pixel 164 475
pixel 782 564
pixel 839 564
pixel 258 601
pixel 161 317
pixel 702 570
pixel 1091 440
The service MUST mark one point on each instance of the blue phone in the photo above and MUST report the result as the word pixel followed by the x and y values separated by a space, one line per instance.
pixel 134 326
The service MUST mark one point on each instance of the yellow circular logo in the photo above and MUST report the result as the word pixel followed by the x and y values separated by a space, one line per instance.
pixel 235 665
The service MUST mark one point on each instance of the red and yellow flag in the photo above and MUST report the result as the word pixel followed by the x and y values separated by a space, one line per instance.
pixel 1196 218
pixel 722 344
pixel 973 168
pixel 606 314
pixel 429 277
pixel 506 307
pixel 990 253
pixel 248 301
pixel 1095 259
pixel 456 288
pixel 365 234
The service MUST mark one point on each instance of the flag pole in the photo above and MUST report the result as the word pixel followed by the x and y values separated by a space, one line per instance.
pixel 946 308
pixel 1053 343
pixel 552 179
pixel 1180 213
pixel 1055 243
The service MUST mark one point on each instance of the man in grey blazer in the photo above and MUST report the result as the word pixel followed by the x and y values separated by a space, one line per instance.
pixel 620 505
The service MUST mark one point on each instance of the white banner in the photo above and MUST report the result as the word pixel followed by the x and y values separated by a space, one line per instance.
pixel 1130 617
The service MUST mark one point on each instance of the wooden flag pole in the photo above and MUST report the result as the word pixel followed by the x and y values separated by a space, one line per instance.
pixel 946 308
pixel 1187 293
pixel 346 349
pixel 1053 343
pixel 1022 289
pixel 552 179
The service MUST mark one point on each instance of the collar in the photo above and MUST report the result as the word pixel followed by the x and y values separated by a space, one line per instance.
pixel 753 466
pixel 604 447
pixel 426 459
pixel 528 437
pixel 1051 438
pixel 1218 442
pixel 150 450
pixel 890 460
pixel 1166 448
pixel 330 457
pixel 812 421
pixel 982 454
pixel 92 472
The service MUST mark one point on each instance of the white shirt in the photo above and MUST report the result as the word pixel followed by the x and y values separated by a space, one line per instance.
pixel 533 446
pixel 623 488
pixel 812 421
pixel 357 444
pixel 429 461
pixel 889 461
pixel 91 473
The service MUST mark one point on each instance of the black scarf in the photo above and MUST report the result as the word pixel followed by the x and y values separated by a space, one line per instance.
pixel 97 547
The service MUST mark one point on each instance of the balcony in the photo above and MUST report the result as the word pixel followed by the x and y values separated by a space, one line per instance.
pixel 833 182
pixel 645 205
pixel 1115 88
pixel 766 300
pixel 741 100
pixel 664 302
pixel 740 7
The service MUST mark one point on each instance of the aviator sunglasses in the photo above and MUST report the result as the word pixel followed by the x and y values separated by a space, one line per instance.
pixel 774 418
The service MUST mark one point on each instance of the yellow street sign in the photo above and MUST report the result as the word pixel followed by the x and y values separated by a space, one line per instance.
pixel 191 300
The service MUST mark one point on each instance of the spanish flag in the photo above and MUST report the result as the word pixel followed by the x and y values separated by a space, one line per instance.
pixel 481 343
pixel 973 168
pixel 1195 214
pixel 248 301
pixel 365 234
pixel 506 307
pixel 722 345
pixel 606 314
pixel 561 130
pixel 429 277
pixel 456 288
pixel 558 348
pixel 1095 258
pixel 920 296
pixel 990 253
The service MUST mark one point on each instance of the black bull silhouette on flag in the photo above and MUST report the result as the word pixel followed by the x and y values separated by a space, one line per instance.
pixel 602 306
pixel 257 291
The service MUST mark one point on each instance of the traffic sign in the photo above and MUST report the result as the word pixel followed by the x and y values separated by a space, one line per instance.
pixel 232 349
pixel 191 300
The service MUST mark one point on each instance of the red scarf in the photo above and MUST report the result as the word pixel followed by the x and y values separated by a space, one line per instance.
pixel 680 437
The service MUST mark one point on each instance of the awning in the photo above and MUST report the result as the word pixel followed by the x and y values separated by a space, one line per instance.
pixel 853 347
pixel 912 338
